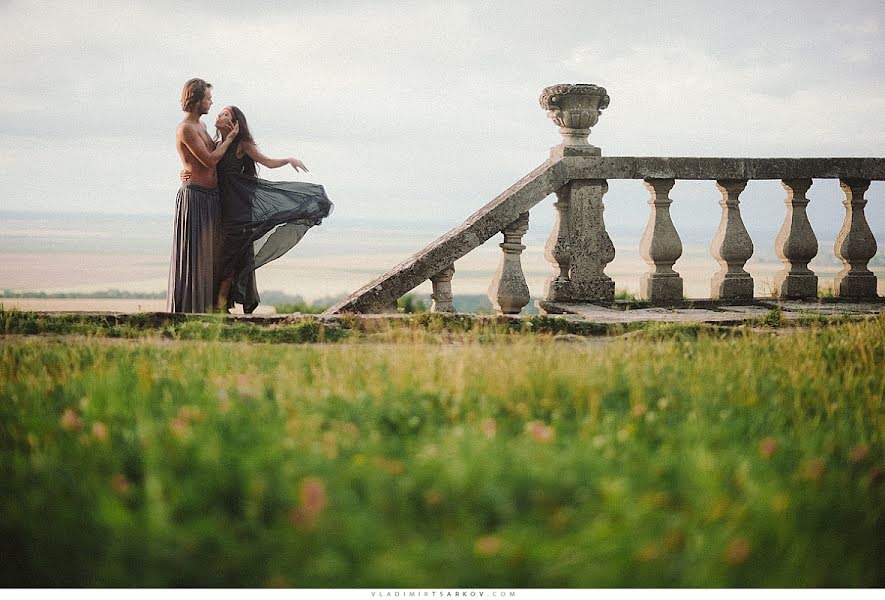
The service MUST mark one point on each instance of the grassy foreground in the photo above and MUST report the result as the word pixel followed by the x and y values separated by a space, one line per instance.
pixel 663 459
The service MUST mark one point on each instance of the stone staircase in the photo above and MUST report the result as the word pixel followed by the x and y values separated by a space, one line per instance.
pixel 579 247
pixel 381 294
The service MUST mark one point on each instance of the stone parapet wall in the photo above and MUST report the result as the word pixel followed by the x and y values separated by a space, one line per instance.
pixel 706 168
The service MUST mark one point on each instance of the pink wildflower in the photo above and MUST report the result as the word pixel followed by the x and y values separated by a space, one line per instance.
pixel 859 453
pixel 100 431
pixel 737 551
pixel 312 502
pixel 767 447
pixel 487 545
pixel 120 484
pixel 71 421
pixel 489 428
pixel 539 432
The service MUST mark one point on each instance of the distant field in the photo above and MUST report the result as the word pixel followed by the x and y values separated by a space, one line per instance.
pixel 125 305
pixel 675 456
pixel 85 304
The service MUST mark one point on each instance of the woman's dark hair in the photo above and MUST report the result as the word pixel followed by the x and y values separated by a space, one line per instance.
pixel 249 166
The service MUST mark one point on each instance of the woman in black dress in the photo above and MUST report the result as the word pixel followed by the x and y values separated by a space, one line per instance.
pixel 261 220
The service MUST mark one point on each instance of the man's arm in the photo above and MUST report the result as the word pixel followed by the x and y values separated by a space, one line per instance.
pixel 190 137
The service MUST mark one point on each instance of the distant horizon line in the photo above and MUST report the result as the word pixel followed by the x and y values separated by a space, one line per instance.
pixel 611 226
pixel 62 213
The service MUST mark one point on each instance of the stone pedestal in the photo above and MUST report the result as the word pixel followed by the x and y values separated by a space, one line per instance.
pixel 591 246
pixel 579 246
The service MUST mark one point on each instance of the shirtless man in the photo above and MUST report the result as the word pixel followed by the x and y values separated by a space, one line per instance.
pixel 197 150
pixel 196 244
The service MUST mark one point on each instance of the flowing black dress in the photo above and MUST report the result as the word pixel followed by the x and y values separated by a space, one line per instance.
pixel 260 221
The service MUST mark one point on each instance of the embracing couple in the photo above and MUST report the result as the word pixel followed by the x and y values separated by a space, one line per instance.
pixel 228 222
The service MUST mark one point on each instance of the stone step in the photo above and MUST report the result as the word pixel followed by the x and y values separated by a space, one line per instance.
pixel 709 312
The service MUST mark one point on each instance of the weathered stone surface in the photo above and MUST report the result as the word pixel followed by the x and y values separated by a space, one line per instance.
pixel 659 167
pixel 660 247
pixel 591 246
pixel 561 151
pixel 558 250
pixel 732 246
pixel 491 219
pixel 855 244
pixel 796 244
pixel 575 108
pixel 508 291
pixel 718 313
pixel 599 314
pixel 837 307
pixel 442 291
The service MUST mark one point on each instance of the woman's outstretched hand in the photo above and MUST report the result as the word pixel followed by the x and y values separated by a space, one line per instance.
pixel 297 164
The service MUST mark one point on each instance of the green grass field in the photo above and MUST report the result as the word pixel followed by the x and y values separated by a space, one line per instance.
pixel 670 457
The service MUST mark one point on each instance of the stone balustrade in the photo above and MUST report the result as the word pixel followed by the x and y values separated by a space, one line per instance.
pixel 732 247
pixel 579 247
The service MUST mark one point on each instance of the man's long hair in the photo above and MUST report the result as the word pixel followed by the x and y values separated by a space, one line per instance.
pixel 244 135
pixel 193 93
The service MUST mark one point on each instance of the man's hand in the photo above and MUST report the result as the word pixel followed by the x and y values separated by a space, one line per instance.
pixel 185 175
pixel 297 165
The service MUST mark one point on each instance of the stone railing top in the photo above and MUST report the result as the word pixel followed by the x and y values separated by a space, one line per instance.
pixel 660 167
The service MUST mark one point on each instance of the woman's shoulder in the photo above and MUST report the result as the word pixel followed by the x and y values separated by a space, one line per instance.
pixel 241 148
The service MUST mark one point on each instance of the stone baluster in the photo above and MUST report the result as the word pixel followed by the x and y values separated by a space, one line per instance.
pixel 731 247
pixel 855 244
pixel 591 247
pixel 660 247
pixel 508 290
pixel 796 245
pixel 558 250
pixel 442 291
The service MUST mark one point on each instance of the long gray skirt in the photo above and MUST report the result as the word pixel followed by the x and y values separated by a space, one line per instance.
pixel 196 250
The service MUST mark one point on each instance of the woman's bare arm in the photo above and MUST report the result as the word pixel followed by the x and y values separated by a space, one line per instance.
pixel 192 140
pixel 252 151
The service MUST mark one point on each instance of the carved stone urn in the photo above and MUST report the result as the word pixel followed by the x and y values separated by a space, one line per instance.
pixel 575 108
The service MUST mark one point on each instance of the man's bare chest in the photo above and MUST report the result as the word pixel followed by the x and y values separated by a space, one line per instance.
pixel 204 135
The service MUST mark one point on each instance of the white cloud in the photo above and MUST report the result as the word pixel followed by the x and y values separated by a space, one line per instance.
pixel 427 109
pixel 677 98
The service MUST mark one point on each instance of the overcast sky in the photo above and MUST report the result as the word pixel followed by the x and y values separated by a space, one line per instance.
pixel 422 109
